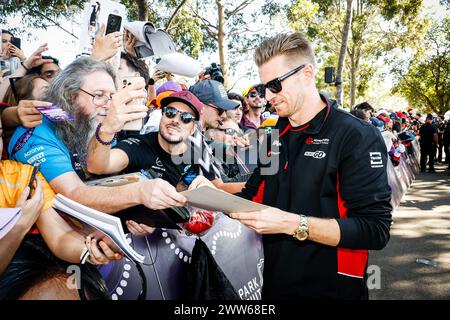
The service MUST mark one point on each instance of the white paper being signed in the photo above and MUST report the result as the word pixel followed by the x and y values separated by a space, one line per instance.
pixel 216 200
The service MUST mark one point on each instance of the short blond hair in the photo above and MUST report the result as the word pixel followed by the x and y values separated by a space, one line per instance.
pixel 288 44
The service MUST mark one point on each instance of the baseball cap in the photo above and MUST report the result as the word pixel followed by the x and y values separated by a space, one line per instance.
pixel 187 98
pixel 247 90
pixel 377 122
pixel 213 92
pixel 383 118
pixel 160 96
pixel 394 115
pixel 168 86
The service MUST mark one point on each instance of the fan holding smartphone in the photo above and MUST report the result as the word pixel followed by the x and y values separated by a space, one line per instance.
pixel 138 124
pixel 11 54
pixel 31 183
pixel 15 50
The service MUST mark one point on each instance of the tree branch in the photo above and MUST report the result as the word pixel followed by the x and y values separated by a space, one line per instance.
pixel 204 21
pixel 242 30
pixel 239 8
pixel 55 23
pixel 172 17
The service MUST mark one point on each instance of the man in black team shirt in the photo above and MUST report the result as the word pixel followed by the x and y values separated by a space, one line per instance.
pixel 154 151
pixel 330 199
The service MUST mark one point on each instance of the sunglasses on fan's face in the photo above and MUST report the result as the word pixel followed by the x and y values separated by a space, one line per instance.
pixel 275 85
pixel 171 112
pixel 229 131
pixel 253 94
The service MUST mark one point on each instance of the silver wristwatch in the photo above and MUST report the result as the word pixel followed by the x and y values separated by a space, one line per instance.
pixel 302 232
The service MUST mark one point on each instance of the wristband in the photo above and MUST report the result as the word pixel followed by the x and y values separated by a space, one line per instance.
pixel 28 70
pixel 97 136
pixel 84 255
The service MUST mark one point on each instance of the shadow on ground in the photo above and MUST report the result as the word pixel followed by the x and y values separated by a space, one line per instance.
pixel 421 230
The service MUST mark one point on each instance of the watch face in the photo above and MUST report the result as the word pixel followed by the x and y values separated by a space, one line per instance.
pixel 301 235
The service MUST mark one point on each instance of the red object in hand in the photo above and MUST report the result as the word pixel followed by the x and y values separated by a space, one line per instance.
pixel 199 222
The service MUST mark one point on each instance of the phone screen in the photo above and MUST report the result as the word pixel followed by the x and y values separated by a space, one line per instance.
pixel 15 41
pixel 114 23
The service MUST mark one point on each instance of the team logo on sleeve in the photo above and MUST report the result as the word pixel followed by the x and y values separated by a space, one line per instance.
pixel 376 161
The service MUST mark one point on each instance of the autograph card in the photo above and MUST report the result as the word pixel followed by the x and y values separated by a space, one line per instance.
pixel 55 113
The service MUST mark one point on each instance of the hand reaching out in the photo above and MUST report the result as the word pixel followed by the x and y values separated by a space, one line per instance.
pixel 35 59
pixel 106 46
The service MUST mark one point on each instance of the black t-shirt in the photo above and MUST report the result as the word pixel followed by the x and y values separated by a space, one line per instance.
pixel 144 152
pixel 426 134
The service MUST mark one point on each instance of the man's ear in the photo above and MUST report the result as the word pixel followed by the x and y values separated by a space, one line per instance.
pixel 194 128
pixel 310 71
pixel 73 98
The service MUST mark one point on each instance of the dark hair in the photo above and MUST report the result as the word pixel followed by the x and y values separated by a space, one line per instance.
pixel 359 114
pixel 235 96
pixel 136 65
pixel 364 106
pixel 7 32
pixel 34 263
pixel 24 89
pixel 429 116
pixel 38 69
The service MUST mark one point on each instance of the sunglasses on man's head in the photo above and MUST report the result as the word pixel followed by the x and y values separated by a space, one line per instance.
pixel 171 112
pixel 275 85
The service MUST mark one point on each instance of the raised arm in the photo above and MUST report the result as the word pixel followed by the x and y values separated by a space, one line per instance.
pixel 101 159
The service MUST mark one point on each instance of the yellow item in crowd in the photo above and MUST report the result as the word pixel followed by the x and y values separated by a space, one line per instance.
pixel 270 122
pixel 247 90
pixel 14 178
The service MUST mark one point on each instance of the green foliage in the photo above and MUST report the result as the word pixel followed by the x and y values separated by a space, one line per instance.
pixel 378 27
pixel 426 81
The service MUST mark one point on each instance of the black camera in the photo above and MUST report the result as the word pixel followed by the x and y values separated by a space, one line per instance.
pixel 215 71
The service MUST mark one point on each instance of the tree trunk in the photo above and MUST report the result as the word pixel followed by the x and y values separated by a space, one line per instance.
pixel 142 10
pixel 221 41
pixel 354 72
pixel 343 51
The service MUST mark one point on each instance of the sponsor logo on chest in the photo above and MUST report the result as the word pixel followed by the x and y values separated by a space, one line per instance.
pixel 311 140
pixel 315 154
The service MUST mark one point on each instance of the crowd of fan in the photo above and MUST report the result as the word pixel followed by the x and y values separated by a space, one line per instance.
pixel 228 125
pixel 400 128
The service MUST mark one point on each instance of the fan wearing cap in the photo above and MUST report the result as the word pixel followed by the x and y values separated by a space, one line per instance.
pixel 215 102
pixel 155 150
pixel 252 118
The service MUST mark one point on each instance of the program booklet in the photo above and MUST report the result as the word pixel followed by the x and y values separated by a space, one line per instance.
pixel 8 219
pixel 99 225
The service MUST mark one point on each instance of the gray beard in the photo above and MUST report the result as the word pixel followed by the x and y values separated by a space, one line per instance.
pixel 77 134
